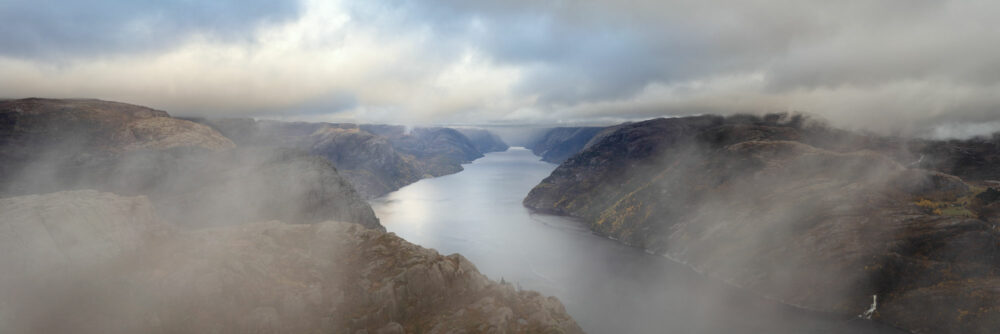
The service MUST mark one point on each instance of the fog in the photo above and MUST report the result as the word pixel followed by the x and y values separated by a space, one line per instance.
pixel 788 208
pixel 608 287
pixel 91 262
pixel 101 237
pixel 795 154
pixel 772 223
pixel 202 188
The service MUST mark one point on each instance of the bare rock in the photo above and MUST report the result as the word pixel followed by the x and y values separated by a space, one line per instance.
pixel 809 216
pixel 112 126
pixel 129 273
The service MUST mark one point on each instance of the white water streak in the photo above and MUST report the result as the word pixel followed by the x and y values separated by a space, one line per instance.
pixel 867 315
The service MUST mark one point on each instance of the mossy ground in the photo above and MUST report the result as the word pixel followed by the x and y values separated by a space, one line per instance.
pixel 960 207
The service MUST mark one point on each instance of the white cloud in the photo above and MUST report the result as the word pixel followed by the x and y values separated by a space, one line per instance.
pixel 290 65
pixel 887 65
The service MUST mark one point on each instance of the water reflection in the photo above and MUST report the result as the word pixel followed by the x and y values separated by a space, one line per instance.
pixel 606 287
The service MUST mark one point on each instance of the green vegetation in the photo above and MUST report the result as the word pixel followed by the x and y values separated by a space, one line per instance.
pixel 956 212
pixel 960 207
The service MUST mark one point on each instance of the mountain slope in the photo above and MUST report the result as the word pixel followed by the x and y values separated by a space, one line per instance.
pixel 376 159
pixel 777 207
pixel 91 262
pixel 367 161
pixel 558 144
pixel 435 151
pixel 971 159
pixel 484 140
pixel 192 173
pixel 110 126
pixel 58 129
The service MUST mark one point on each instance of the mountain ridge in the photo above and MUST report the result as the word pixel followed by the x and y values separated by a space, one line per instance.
pixel 129 271
pixel 751 201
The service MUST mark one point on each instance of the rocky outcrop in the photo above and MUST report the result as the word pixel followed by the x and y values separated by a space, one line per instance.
pixel 558 144
pixel 484 140
pixel 196 188
pixel 376 159
pixel 435 151
pixel 192 173
pixel 971 159
pixel 90 262
pixel 31 129
pixel 368 161
pixel 776 206
pixel 244 185
pixel 103 125
pixel 73 231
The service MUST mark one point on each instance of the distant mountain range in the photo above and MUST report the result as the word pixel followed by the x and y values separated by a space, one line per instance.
pixel 376 159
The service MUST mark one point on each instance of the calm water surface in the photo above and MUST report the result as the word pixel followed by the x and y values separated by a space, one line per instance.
pixel 606 287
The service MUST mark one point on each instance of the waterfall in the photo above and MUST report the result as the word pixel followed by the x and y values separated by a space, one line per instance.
pixel 867 315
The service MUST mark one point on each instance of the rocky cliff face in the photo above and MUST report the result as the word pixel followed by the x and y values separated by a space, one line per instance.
pixel 192 173
pixel 559 144
pixel 91 262
pixel 243 185
pixel 778 207
pixel 376 159
pixel 103 125
pixel 435 151
pixel 972 159
pixel 484 140
pixel 32 128
pixel 368 161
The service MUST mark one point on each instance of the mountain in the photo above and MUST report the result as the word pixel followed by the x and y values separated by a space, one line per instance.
pixel 31 128
pixel 193 237
pixel 103 125
pixel 484 140
pixel 971 159
pixel 814 217
pixel 192 174
pixel 435 151
pixel 558 144
pixel 93 262
pixel 235 186
pixel 376 159
pixel 368 161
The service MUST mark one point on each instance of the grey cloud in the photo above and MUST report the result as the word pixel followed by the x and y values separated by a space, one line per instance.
pixel 66 30
pixel 331 103
pixel 578 52
pixel 857 63
pixel 594 50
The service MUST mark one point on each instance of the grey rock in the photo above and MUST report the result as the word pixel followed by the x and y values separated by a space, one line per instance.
pixel 139 274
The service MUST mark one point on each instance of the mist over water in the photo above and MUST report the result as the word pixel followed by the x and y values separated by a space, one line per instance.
pixel 606 286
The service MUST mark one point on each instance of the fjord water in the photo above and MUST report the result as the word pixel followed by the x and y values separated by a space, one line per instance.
pixel 607 287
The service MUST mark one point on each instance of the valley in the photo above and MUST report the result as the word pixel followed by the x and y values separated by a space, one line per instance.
pixel 765 224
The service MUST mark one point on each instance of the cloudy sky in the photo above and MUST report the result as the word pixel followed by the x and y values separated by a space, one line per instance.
pixel 880 65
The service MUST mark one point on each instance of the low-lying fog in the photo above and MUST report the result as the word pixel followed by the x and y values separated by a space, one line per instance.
pixel 606 287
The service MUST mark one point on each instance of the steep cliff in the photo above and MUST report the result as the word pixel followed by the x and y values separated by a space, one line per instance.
pixel 778 207
pixel 376 159
pixel 191 172
pixel 484 140
pixel 103 125
pixel 91 262
pixel 59 129
pixel 435 151
pixel 971 159
pixel 558 144
pixel 367 161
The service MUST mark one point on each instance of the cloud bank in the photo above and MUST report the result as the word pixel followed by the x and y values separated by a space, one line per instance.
pixel 890 65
